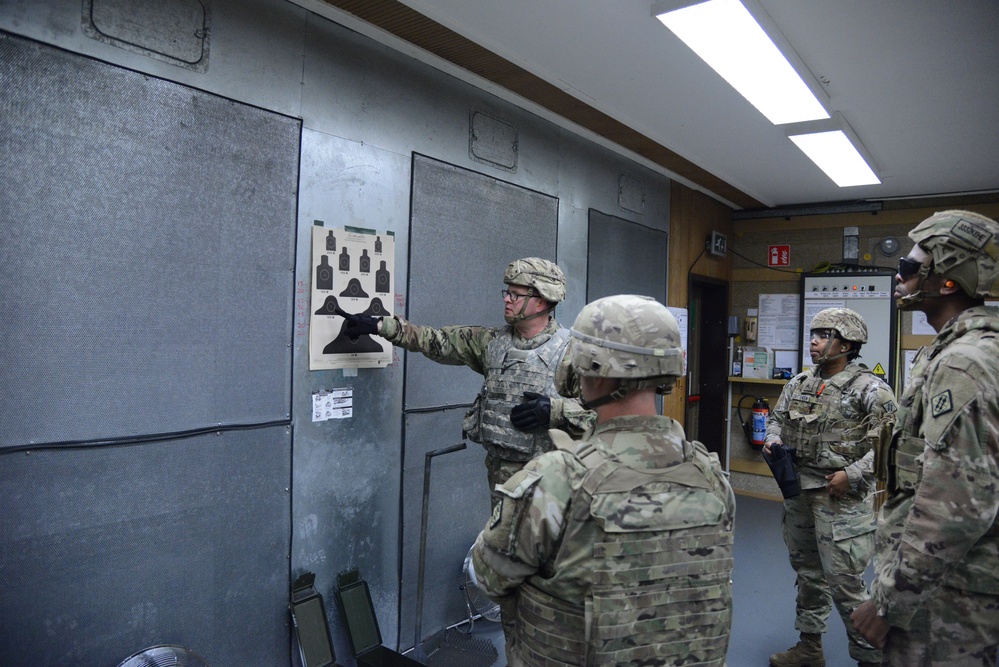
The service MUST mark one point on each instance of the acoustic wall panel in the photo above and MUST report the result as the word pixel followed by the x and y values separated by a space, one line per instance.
pixel 625 258
pixel 465 228
pixel 457 509
pixel 148 253
pixel 107 550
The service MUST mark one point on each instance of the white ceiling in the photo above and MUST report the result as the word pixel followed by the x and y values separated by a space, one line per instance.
pixel 918 81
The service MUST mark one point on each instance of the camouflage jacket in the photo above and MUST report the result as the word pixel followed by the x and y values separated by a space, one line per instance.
pixel 469 345
pixel 833 424
pixel 939 525
pixel 523 538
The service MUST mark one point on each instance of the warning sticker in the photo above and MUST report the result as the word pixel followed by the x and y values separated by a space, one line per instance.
pixel 879 371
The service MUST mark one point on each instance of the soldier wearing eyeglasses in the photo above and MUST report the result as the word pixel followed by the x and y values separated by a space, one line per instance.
pixel 830 417
pixel 935 595
pixel 519 400
pixel 523 367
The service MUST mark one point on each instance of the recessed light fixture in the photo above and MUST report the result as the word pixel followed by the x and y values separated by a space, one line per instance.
pixel 729 39
pixel 834 147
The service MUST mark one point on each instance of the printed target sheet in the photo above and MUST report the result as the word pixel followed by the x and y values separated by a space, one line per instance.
pixel 353 272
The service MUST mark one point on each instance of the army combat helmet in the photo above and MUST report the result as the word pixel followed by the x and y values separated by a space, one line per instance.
pixel 542 276
pixel 964 247
pixel 631 338
pixel 848 325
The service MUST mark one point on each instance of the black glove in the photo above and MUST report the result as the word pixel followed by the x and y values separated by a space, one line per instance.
pixel 355 326
pixel 533 414
pixel 781 462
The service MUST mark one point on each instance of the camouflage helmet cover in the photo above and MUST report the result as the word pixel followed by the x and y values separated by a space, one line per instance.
pixel 848 323
pixel 964 247
pixel 543 275
pixel 628 337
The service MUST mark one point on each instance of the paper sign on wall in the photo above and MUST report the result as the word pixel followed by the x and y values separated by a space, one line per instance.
pixel 681 319
pixel 353 272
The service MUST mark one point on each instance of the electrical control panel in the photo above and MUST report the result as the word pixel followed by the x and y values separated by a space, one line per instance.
pixel 870 293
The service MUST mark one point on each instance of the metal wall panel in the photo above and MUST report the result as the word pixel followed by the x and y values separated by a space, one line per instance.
pixel 465 228
pixel 348 472
pixel 457 509
pixel 625 258
pixel 591 179
pixel 107 550
pixel 256 46
pixel 365 110
pixel 146 265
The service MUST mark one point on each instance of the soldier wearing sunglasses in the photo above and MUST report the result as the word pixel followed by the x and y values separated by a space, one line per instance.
pixel 935 595
pixel 831 417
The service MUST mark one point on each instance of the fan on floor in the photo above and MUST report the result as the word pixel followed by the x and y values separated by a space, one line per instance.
pixel 475 600
pixel 164 655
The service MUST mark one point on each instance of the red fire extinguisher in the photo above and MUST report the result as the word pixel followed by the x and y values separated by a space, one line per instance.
pixel 761 410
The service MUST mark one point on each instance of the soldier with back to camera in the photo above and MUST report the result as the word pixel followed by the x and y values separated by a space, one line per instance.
pixel 616 550
pixel 519 400
pixel 935 596
pixel 831 418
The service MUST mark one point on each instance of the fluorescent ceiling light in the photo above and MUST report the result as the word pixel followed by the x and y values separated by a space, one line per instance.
pixel 727 37
pixel 836 155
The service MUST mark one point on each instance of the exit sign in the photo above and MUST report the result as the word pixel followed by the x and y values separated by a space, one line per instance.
pixel 779 255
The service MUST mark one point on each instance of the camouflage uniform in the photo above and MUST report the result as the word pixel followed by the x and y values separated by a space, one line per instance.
pixel 618 550
pixel 489 351
pixel 937 563
pixel 833 424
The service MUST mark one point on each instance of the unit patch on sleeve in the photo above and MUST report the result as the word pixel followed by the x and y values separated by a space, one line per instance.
pixel 497 514
pixel 941 404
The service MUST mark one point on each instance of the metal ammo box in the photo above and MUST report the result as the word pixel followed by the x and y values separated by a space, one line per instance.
pixel 362 627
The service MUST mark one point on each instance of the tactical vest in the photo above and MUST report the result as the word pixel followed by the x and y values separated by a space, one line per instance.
pixel 816 427
pixel 906 444
pixel 661 590
pixel 901 460
pixel 509 373
pixel 903 463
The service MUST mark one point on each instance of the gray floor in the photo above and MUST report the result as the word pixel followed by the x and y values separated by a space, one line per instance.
pixel 763 594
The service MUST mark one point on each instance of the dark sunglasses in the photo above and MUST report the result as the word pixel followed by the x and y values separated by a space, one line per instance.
pixel 908 268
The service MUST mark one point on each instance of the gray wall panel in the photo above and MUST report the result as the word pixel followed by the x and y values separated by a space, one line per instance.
pixel 348 473
pixel 146 266
pixel 364 91
pixel 365 110
pixel 458 508
pixel 107 550
pixel 466 228
pixel 592 180
pixel 625 258
pixel 255 56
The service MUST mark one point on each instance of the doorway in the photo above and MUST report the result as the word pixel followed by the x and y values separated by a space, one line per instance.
pixel 707 363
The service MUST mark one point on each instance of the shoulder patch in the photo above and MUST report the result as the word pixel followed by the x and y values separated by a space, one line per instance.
pixel 890 406
pixel 497 514
pixel 942 403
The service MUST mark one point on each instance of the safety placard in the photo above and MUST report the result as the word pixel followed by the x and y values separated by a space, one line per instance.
pixel 779 255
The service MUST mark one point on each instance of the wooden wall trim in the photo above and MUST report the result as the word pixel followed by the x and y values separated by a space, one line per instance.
pixel 693 216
